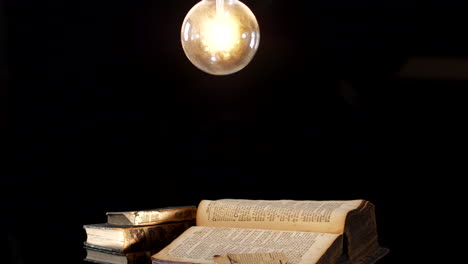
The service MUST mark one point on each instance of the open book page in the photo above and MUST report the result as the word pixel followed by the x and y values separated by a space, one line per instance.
pixel 200 244
pixel 251 258
pixel 307 216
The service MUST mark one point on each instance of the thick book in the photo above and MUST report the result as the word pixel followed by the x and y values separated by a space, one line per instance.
pixel 306 232
pixel 152 216
pixel 103 255
pixel 134 238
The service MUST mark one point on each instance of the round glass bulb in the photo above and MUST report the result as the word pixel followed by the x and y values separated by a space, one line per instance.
pixel 220 37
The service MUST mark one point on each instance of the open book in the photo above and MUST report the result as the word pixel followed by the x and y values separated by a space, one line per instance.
pixel 305 232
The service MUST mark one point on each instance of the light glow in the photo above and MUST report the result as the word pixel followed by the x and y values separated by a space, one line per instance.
pixel 220 34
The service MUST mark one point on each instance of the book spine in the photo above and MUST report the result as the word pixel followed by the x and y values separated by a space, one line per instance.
pixel 361 236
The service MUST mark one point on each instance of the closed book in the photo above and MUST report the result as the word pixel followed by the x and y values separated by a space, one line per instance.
pixel 134 238
pixel 103 255
pixel 152 216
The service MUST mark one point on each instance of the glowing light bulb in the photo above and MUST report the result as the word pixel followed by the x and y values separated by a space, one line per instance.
pixel 220 37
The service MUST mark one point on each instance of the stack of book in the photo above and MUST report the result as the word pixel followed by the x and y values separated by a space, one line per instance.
pixel 131 237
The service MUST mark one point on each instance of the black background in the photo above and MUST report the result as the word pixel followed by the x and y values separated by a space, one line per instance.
pixel 105 113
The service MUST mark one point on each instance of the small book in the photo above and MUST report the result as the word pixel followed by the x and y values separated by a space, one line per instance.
pixel 134 238
pixel 152 216
pixel 102 255
pixel 305 232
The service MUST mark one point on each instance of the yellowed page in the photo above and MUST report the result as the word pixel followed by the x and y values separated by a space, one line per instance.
pixel 199 244
pixel 251 258
pixel 308 216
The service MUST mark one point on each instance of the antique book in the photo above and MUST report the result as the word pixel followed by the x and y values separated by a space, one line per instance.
pixel 153 216
pixel 306 232
pixel 108 256
pixel 134 238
